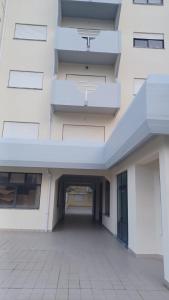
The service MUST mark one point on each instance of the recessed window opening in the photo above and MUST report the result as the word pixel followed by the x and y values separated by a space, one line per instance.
pixel 30 32
pixel 148 40
pixel 20 190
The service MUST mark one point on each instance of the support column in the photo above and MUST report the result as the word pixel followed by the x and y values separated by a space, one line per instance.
pixel 132 208
pixel 164 181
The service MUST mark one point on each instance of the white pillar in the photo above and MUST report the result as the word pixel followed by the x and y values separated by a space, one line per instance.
pixel 132 208
pixel 164 180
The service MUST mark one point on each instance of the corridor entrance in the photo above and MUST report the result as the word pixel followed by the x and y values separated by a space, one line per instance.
pixel 80 195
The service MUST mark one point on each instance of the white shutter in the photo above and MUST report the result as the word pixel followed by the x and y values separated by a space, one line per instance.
pixel 17 130
pixel 31 32
pixel 148 36
pixel 24 79
pixel 138 82
pixel 84 133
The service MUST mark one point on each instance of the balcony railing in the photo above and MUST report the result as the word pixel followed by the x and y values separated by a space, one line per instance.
pixel 98 47
pixel 67 95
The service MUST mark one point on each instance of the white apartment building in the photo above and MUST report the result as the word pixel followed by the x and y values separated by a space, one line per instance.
pixel 84 100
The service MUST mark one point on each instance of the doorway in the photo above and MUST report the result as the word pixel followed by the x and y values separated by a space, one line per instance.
pixel 122 208
pixel 80 194
pixel 79 200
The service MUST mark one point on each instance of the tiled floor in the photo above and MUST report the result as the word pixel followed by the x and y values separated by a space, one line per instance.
pixel 80 261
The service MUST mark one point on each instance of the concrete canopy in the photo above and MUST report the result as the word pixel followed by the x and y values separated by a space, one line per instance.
pixel 147 116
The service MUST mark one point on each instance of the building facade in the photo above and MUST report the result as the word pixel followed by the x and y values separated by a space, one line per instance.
pixel 84 98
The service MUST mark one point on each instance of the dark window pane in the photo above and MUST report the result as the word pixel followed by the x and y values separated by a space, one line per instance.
pixel 156 44
pixel 139 43
pixel 28 197
pixel 19 190
pixel 3 177
pixel 7 196
pixel 17 178
pixel 34 178
pixel 155 2
pixel 107 198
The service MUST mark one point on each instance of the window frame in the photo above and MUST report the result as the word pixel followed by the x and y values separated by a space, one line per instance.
pixel 148 3
pixel 107 198
pixel 148 41
pixel 18 122
pixel 26 88
pixel 16 186
pixel 29 39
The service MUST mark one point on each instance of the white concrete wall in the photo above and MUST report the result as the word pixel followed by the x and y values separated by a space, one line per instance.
pixel 164 181
pixel 39 56
pixel 143 199
pixel 111 222
pixel 139 62
pixel 80 69
pixel 148 210
pixel 2 16
pixel 28 56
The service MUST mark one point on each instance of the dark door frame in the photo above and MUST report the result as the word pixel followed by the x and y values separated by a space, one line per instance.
pixel 122 207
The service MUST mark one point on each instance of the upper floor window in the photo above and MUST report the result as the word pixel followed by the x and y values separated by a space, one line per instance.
pixel 20 130
pixel 153 2
pixel 148 40
pixel 26 80
pixel 30 32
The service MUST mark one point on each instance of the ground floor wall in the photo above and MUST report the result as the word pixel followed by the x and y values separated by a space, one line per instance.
pixel 144 199
pixel 148 200
pixel 148 204
pixel 46 216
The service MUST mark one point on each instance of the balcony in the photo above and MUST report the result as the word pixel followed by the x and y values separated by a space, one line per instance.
pixel 95 9
pixel 89 47
pixel 67 96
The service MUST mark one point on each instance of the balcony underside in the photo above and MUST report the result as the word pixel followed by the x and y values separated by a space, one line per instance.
pixel 104 9
pixel 70 46
pixel 84 109
pixel 84 57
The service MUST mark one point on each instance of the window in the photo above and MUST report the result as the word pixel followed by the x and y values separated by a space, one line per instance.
pixel 148 40
pixel 138 82
pixel 17 130
pixel 83 133
pixel 30 32
pixel 153 2
pixel 20 190
pixel 25 80
pixel 107 198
